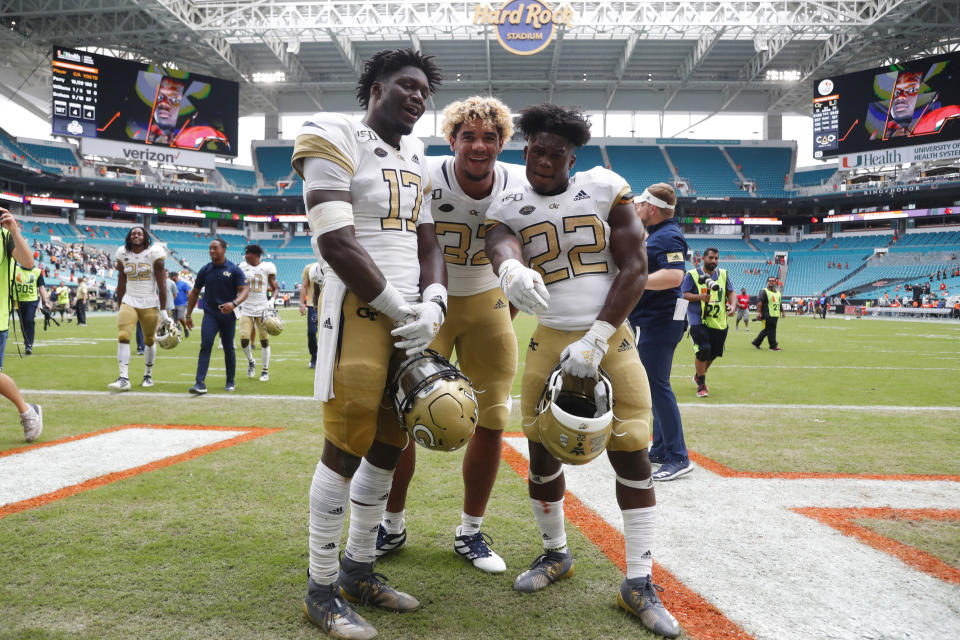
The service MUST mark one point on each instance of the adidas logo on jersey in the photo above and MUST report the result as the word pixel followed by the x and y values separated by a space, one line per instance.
pixel 499 305
pixel 327 324
pixel 626 345
pixel 583 195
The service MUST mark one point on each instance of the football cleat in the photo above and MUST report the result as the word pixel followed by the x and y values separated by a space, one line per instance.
pixel 702 391
pixel 775 349
pixel 389 542
pixel 545 570
pixel 147 381
pixel 476 549
pixel 359 584
pixel 264 377
pixel 326 609
pixel 639 597
pixel 198 389
pixel 673 470
pixel 230 387
pixel 251 368
pixel 32 423
pixel 120 384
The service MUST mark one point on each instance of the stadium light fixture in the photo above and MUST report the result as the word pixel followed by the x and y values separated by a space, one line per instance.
pixel 783 75
pixel 269 77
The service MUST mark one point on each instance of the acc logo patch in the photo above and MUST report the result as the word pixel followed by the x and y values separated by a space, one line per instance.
pixel 380 152
pixel 446 208
pixel 527 210
pixel 676 256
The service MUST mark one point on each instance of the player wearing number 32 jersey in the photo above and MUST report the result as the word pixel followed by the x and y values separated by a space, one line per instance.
pixel 142 291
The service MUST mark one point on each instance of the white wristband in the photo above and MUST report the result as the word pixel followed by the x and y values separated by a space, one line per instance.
pixel 436 292
pixel 389 301
pixel 603 330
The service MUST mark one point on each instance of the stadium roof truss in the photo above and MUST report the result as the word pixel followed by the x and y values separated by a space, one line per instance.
pixel 621 56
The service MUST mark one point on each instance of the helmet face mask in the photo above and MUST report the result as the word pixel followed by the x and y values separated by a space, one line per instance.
pixel 575 416
pixel 168 335
pixel 272 322
pixel 435 402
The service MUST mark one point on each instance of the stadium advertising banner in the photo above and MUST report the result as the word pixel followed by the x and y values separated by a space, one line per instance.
pixel 870 116
pixel 140 152
pixel 103 98
pixel 523 28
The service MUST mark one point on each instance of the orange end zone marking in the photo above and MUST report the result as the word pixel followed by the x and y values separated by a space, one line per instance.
pixel 93 483
pixel 699 618
pixel 842 521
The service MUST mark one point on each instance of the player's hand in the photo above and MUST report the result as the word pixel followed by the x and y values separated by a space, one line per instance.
pixel 582 358
pixel 418 330
pixel 188 321
pixel 303 309
pixel 523 287
pixel 164 318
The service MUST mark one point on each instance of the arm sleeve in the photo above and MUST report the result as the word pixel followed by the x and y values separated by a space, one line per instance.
pixel 325 136
pixel 201 279
pixel 326 175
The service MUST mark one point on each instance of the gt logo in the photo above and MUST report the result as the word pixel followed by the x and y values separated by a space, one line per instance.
pixel 368 313
pixel 423 436
pixel 554 205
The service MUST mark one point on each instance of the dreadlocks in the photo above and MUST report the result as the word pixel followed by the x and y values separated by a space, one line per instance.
pixel 384 63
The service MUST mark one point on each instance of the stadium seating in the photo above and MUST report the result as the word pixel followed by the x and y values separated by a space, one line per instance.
pixel 813 178
pixel 9 145
pixel 51 153
pixel 273 162
pixel 927 241
pixel 639 166
pixel 706 170
pixel 766 166
pixel 241 178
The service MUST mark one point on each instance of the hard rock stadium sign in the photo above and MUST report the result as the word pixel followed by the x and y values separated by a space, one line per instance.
pixel 524 28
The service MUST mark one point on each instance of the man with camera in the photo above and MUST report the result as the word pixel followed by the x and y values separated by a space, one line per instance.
pixel 710 286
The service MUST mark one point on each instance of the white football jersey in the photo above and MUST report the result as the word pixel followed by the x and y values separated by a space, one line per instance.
pixel 459 221
pixel 387 186
pixel 566 237
pixel 141 286
pixel 258 279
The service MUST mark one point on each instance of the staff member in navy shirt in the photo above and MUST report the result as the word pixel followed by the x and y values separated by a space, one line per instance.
pixel 659 323
pixel 226 287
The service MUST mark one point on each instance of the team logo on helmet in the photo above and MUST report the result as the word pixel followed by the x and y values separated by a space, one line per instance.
pixel 575 416
pixel 272 322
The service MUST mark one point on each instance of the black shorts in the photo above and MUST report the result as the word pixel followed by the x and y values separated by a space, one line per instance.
pixel 708 336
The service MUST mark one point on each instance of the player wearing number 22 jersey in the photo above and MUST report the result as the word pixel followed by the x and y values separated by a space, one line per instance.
pixel 141 289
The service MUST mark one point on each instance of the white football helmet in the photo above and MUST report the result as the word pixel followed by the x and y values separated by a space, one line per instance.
pixel 435 402
pixel 168 335
pixel 575 416
pixel 272 321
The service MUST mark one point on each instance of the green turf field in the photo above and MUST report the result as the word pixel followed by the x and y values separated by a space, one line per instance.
pixel 216 546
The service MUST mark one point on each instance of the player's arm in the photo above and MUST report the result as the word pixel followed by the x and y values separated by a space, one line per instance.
pixel 428 314
pixel 275 287
pixel 160 275
pixel 121 281
pixel 523 287
pixel 305 285
pixel 582 357
pixel 21 250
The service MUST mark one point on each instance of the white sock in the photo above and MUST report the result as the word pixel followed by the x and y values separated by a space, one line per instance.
pixel 638 531
pixel 328 505
pixel 149 357
pixel 369 491
pixel 265 356
pixel 470 525
pixel 394 522
pixel 549 518
pixel 248 351
pixel 123 359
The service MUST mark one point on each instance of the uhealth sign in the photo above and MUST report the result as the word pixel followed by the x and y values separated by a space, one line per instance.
pixel 523 28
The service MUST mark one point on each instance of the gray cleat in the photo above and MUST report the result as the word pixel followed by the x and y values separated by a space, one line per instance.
pixel 359 584
pixel 545 570
pixel 326 609
pixel 639 597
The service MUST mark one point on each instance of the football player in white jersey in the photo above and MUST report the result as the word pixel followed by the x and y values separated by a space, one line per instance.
pixel 384 294
pixel 261 276
pixel 571 250
pixel 141 287
pixel 478 320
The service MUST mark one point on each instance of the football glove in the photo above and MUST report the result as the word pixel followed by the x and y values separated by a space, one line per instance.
pixel 163 317
pixel 418 329
pixel 523 287
pixel 390 302
pixel 582 358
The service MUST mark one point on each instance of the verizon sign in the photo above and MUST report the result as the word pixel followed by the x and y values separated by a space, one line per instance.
pixel 147 153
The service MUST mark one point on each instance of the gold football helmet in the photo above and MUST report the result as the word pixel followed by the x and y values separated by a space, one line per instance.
pixel 272 321
pixel 575 416
pixel 168 335
pixel 435 402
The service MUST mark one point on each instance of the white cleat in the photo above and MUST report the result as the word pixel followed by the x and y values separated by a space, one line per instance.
pixel 476 549
pixel 147 381
pixel 32 423
pixel 120 384
pixel 264 377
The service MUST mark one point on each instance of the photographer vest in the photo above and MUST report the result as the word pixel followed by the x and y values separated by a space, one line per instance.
pixel 25 284
pixel 773 303
pixel 713 314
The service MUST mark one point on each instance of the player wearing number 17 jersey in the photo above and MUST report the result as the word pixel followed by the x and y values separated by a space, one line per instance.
pixel 261 277
pixel 364 188
pixel 571 249
pixel 478 320
pixel 141 287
